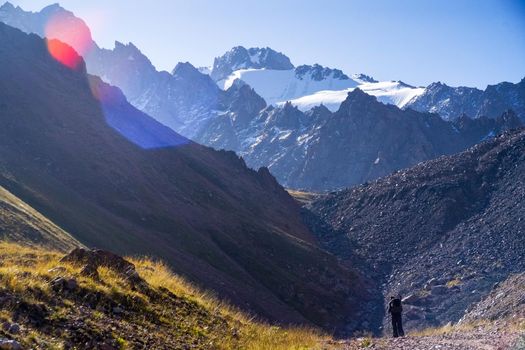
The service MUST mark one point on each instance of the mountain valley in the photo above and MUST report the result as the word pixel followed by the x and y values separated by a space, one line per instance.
pixel 84 158
pixel 249 204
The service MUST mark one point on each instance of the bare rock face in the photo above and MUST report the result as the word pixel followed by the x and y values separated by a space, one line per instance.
pixel 64 284
pixel 319 150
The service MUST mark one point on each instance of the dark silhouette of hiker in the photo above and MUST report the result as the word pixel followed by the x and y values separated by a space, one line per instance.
pixel 395 308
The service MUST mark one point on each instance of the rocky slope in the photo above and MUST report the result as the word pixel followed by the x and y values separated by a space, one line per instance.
pixel 320 150
pixel 452 102
pixel 440 233
pixel 505 301
pixel 73 148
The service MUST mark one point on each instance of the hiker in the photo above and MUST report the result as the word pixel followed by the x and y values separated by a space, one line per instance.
pixel 395 309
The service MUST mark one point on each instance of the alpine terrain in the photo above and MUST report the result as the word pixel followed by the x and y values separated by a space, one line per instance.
pixel 246 199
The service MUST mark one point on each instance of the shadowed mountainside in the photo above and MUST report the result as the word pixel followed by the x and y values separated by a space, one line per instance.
pixel 75 150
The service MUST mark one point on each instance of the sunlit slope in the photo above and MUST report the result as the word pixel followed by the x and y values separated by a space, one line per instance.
pixel 57 306
pixel 21 223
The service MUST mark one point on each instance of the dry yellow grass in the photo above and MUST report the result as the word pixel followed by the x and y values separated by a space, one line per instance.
pixel 453 283
pixel 255 335
pixel 449 328
pixel 26 271
pixel 303 197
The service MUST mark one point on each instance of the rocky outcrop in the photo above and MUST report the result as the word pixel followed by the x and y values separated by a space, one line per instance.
pixel 8 344
pixel 318 72
pixel 91 260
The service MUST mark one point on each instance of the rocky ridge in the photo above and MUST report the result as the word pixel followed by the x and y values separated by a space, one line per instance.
pixel 452 102
pixel 302 154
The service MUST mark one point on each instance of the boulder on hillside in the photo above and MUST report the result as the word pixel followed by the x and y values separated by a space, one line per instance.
pixel 93 259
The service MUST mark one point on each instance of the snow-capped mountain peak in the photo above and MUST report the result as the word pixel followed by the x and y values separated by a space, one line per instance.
pixel 363 78
pixel 253 58
pixel 318 73
pixel 305 86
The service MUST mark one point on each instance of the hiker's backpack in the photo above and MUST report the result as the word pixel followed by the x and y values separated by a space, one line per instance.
pixel 395 306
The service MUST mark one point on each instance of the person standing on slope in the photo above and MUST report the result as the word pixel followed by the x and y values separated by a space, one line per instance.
pixel 396 309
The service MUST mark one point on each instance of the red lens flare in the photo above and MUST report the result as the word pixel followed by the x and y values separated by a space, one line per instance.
pixel 72 31
pixel 64 53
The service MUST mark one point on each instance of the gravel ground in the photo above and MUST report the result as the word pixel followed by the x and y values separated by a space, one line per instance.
pixel 481 338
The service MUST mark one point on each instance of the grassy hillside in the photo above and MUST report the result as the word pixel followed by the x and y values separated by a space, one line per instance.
pixel 106 310
pixel 19 222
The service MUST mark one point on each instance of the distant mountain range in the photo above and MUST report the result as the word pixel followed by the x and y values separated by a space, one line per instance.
pixel 294 119
pixel 452 102
pixel 320 150
pixel 181 100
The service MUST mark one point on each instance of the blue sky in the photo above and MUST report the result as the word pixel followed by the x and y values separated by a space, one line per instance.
pixel 459 42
